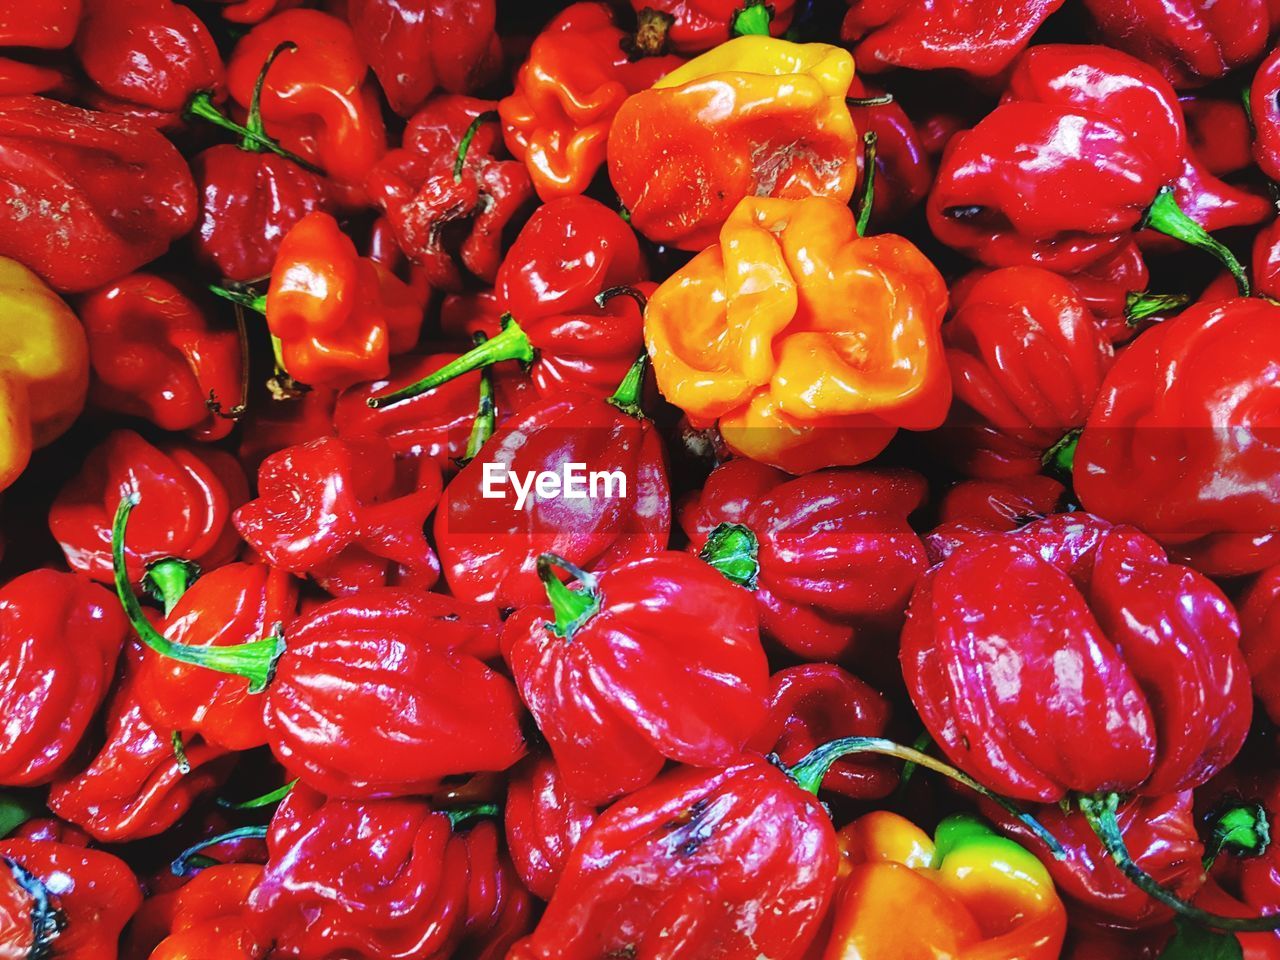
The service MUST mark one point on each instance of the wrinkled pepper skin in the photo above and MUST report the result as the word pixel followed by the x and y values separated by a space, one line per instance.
pixel 46 370
pixel 339 317
pixel 156 355
pixel 1160 835
pixel 980 39
pixel 336 510
pixel 972 509
pixel 1125 669
pixel 1181 442
pixel 1027 360
pixel 816 703
pixel 190 492
pixel 210 917
pixel 148 59
pixel 316 101
pixel 667 629
pixel 808 344
pixel 451 225
pixel 680 869
pixel 755 117
pixel 383 880
pixel 836 559
pixel 418 46
pixel 699 25
pixel 1189 42
pixel 1259 608
pixel 87 197
pixel 415 703
pixel 974 894
pixel 60 638
pixel 95 893
pixel 567 93
pixel 543 823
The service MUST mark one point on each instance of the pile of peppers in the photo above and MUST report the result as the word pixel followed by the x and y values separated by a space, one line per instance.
pixel 640 480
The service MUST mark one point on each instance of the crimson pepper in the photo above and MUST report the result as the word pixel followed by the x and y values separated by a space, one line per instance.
pixel 1027 360
pixel 580 69
pixel 448 191
pixel 87 197
pixel 829 556
pixel 1264 114
pixel 147 59
pixel 254 11
pixel 1239 811
pixel 1181 440
pixel 981 39
pixel 63 901
pixel 903 167
pixel 336 510
pixel 418 46
pixel 144 778
pixel 155 355
pixel 383 880
pixel 1259 608
pixel 601 665
pixel 1189 42
pixel 1218 132
pixel 972 509
pixel 316 101
pixel 815 703
pixel 51 829
pixel 60 637
pixel 572 300
pixel 489 551
pixel 286 421
pixel 44 24
pixel 1073 656
pixel 543 821
pixel 192 492
pixel 209 917
pixel 1128 152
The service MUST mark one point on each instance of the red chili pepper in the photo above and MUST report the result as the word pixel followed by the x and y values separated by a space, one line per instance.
pixel 87 197
pixel 543 823
pixel 1264 113
pixel 254 11
pixel 51 830
pixel 816 703
pixel 1178 443
pixel 489 545
pixel 903 167
pixel 1127 156
pixel 45 24
pixel 580 69
pixel 829 556
pixel 973 509
pixel 155 355
pixel 286 422
pixel 600 666
pixel 418 46
pixel 316 100
pixel 209 917
pixel 191 492
pixel 148 59
pixel 1259 608
pixel 449 193
pixel 60 637
pixel 1129 664
pixel 63 901
pixel 334 509
pixel 1218 132
pixel 978 38
pixel 1027 360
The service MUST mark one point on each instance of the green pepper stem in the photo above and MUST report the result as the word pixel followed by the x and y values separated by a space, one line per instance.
pixel 255 302
pixel 808 773
pixel 167 579
pixel 460 816
pixel 182 862
pixel 253 123
pixel 627 397
pixel 868 198
pixel 1241 828
pixel 266 800
pixel 47 922
pixel 1140 306
pixel 1165 216
pixel 202 106
pixel 460 161
pixel 752 20
pixel 1100 813
pixel 734 551
pixel 512 343
pixel 1061 457
pixel 255 660
pixel 572 608
pixel 180 752
pixel 486 420
pixel 623 290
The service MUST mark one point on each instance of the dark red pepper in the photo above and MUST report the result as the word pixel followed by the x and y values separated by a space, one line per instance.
pixel 543 823
pixel 1218 132
pixel 286 421
pixel 1259 608
pixel 903 167
pixel 975 508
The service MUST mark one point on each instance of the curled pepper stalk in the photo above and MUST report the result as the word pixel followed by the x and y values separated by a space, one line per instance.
pixel 236 411
pixel 47 922
pixel 460 161
pixel 1165 216
pixel 255 660
pixel 190 858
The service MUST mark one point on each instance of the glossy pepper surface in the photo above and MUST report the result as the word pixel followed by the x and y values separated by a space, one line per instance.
pixel 808 344
pixel 46 373
pixel 567 93
pixel 680 868
pixel 832 557
pixel 1259 608
pixel 156 354
pixel 543 822
pixel 974 894
pixel 1098 695
pixel 1264 114
pixel 44 24
pixel 60 637
pixel 903 167
pixel 599 666
pixel 755 117
pixel 87 196
pixel 210 917
pixel 1181 442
